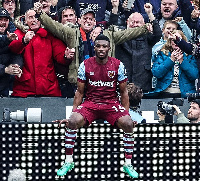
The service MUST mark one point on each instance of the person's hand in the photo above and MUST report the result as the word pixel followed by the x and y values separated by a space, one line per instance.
pixel 180 56
pixel 177 109
pixel 17 70
pixel 178 19
pixel 28 36
pixel 134 123
pixel 160 115
pixel 95 32
pixel 54 2
pixel 62 121
pixel 69 53
pixel 172 36
pixel 177 55
pixel 12 36
pixel 38 7
pixel 125 4
pixel 115 6
pixel 13 69
pixel 149 27
pixel 195 13
pixel 148 8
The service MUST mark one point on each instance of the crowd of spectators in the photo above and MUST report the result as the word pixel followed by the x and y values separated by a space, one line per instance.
pixel 42 44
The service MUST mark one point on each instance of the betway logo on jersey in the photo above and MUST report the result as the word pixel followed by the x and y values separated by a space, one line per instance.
pixel 101 83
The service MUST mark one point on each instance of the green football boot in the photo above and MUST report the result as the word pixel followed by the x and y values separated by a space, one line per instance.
pixel 65 168
pixel 130 171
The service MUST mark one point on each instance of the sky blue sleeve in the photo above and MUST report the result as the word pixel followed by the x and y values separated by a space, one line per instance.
pixel 81 71
pixel 121 72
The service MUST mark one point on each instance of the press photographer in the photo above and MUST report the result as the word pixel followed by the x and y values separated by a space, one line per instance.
pixel 166 110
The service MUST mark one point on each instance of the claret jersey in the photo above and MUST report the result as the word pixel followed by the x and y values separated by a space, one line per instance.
pixel 101 79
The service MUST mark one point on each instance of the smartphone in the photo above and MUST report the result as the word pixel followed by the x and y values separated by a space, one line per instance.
pixel 130 4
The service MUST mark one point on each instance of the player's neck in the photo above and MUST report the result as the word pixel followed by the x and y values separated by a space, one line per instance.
pixel 102 61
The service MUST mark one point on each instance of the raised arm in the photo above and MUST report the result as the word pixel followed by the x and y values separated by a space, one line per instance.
pixel 64 33
pixel 128 34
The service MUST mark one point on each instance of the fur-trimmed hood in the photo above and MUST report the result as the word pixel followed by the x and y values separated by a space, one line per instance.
pixel 20 24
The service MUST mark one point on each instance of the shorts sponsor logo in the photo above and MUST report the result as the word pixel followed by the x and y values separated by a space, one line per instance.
pixel 101 83
pixel 91 73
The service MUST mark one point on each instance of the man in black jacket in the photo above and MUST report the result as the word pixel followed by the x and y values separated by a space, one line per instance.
pixel 9 62
pixel 136 54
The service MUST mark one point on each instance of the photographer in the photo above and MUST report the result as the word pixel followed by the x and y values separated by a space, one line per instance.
pixel 193 115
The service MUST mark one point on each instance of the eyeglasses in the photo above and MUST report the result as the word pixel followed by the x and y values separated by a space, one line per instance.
pixel 8 2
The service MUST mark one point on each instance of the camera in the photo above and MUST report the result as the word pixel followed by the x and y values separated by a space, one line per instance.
pixel 167 108
pixel 28 115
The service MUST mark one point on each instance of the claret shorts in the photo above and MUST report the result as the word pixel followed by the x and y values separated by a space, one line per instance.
pixel 110 112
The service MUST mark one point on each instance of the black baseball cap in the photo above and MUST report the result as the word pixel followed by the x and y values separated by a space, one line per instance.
pixel 197 101
pixel 4 13
pixel 87 10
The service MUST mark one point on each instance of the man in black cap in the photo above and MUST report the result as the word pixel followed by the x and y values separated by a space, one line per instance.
pixel 4 20
pixel 9 63
pixel 10 6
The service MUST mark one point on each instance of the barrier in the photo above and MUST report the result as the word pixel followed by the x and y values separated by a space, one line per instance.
pixel 55 108
pixel 162 152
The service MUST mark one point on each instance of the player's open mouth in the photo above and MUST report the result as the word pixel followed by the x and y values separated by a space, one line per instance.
pixel 101 53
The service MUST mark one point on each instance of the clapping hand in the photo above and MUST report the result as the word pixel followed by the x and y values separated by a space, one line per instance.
pixel 177 55
pixel 13 69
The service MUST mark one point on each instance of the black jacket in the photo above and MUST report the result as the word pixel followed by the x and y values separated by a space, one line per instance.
pixel 136 56
pixel 7 58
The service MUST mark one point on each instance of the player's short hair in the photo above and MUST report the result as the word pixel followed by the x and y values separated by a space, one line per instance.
pixel 102 37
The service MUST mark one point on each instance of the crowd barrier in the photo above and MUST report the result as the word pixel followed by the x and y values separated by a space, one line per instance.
pixel 56 108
